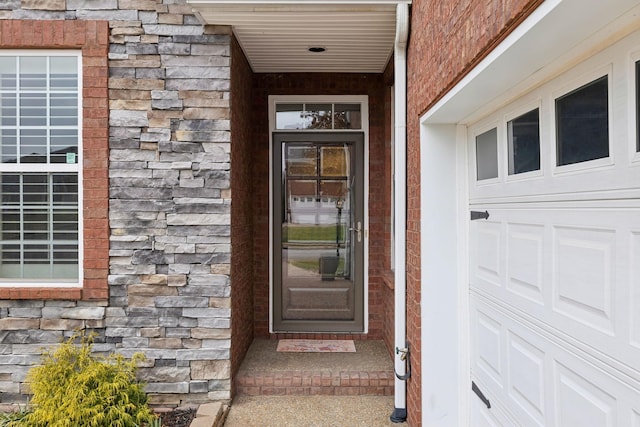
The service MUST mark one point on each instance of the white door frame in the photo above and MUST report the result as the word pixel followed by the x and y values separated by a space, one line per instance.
pixel 363 100
pixel 444 275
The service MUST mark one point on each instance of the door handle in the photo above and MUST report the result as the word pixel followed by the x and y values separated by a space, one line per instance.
pixel 358 231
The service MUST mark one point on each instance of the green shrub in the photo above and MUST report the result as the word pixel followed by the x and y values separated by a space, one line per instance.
pixel 73 388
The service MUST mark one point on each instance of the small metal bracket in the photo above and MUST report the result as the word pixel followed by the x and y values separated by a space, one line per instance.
pixel 405 357
pixel 479 215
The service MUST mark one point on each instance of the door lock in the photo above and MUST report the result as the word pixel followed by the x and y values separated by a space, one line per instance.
pixel 358 231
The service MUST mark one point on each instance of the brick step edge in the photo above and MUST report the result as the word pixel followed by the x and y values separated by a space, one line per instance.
pixel 309 383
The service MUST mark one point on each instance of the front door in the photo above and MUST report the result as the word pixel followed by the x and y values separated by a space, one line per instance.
pixel 318 232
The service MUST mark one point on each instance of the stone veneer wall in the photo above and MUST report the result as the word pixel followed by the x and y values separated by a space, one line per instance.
pixel 168 205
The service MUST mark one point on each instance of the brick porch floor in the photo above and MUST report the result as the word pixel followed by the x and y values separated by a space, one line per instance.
pixel 367 372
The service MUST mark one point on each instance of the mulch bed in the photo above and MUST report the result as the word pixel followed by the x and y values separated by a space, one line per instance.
pixel 177 417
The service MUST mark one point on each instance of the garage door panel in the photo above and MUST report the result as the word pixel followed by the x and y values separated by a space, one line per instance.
pixel 580 402
pixel 488 267
pixel 482 416
pixel 525 260
pixel 523 382
pixel 584 275
pixel 576 270
pixel 526 377
pixel 634 301
pixel 545 380
pixel 489 340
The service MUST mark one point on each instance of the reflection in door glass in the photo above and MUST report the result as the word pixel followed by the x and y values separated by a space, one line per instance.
pixel 301 201
pixel 333 161
pixel 318 116
pixel 347 116
pixel 289 116
pixel 317 253
pixel 301 160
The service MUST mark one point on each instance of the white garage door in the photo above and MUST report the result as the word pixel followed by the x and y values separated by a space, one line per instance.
pixel 555 268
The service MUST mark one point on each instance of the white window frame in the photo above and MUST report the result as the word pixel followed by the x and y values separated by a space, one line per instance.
pixel 500 147
pixel 54 168
pixel 574 84
pixel 514 114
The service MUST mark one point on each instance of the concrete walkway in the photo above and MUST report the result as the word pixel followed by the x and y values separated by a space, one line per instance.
pixel 311 411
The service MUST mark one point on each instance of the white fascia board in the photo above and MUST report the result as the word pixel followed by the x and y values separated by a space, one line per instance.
pixel 289 6
pixel 558 34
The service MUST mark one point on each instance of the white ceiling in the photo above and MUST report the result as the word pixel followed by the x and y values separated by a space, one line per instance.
pixel 358 36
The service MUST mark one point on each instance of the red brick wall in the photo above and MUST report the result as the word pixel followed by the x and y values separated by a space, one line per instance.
pixel 92 38
pixel 319 84
pixel 241 209
pixel 448 39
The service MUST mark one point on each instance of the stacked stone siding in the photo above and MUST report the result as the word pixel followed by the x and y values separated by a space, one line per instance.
pixel 168 198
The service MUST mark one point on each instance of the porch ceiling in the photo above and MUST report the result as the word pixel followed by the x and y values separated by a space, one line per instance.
pixel 358 36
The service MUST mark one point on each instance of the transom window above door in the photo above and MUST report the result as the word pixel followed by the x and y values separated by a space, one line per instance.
pixel 318 116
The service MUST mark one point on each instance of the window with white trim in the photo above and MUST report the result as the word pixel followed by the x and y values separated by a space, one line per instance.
pixel 582 123
pixel 40 130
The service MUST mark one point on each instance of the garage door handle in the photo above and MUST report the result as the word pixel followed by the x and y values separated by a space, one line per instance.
pixel 479 215
pixel 477 391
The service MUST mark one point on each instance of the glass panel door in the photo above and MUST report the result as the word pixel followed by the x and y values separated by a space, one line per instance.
pixel 318 237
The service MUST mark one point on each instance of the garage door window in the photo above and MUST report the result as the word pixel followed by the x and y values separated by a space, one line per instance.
pixel 487 154
pixel 523 135
pixel 582 119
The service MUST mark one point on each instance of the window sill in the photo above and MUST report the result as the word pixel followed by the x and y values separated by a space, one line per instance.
pixel 41 293
pixel 53 293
